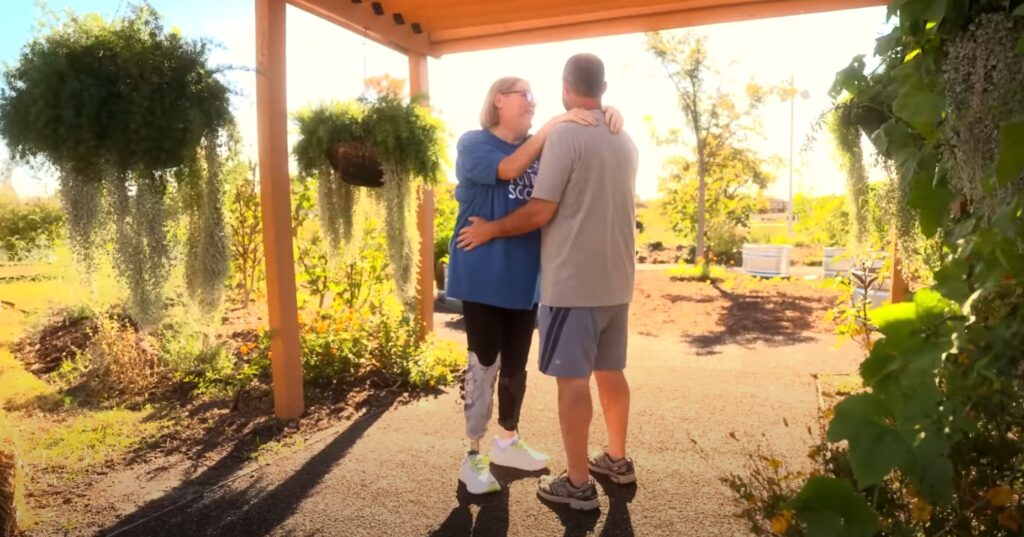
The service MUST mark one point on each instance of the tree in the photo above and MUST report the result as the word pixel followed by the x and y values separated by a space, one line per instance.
pixel 384 85
pixel 245 229
pixel 717 121
pixel 731 189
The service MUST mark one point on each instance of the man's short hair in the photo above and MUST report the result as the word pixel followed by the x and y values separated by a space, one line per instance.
pixel 585 75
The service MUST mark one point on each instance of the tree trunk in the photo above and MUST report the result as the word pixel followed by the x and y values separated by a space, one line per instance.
pixel 701 250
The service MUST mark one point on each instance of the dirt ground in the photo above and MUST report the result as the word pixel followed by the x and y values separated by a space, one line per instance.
pixel 743 310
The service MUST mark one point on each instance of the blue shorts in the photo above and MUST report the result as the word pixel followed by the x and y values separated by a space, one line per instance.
pixel 575 342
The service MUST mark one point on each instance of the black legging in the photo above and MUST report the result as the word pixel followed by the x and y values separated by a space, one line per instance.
pixel 491 330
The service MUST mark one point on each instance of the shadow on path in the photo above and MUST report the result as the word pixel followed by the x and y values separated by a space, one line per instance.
pixel 493 516
pixel 239 510
pixel 774 319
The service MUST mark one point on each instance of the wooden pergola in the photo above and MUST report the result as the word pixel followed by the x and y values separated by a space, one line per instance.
pixel 422 29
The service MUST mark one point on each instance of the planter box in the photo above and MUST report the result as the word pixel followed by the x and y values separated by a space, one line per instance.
pixel 769 260
pixel 877 298
pixel 835 262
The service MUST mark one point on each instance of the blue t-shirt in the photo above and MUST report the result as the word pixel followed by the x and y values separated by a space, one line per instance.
pixel 503 272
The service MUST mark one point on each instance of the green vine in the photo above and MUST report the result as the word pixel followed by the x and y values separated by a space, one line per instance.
pixel 847 136
pixel 121 109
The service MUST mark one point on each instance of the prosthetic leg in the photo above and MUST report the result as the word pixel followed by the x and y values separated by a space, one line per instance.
pixel 479 404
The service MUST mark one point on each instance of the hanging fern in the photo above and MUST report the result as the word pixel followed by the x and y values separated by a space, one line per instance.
pixel 120 108
pixel 410 146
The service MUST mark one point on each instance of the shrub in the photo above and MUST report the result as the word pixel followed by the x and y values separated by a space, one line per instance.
pixel 825 219
pixel 445 213
pixel 28 228
pixel 685 272
pixel 121 362
pixel 11 500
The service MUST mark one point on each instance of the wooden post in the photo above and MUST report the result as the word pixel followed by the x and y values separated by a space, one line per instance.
pixel 898 288
pixel 275 203
pixel 419 86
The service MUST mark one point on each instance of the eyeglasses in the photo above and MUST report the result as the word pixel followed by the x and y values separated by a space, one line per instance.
pixel 527 94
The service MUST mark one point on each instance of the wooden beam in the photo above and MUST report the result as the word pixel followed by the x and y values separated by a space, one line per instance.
pixel 361 19
pixel 898 287
pixel 468 31
pixel 419 87
pixel 484 38
pixel 275 204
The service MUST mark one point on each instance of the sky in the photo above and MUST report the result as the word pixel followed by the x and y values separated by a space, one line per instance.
pixel 326 62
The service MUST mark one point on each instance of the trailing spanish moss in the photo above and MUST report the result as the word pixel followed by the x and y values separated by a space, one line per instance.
pixel 206 263
pixel 397 197
pixel 82 201
pixel 141 246
pixel 984 80
pixel 846 135
pixel 337 202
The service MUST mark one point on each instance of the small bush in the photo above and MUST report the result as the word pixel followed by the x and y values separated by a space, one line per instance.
pixel 11 500
pixel 120 363
pixel 28 229
pixel 445 213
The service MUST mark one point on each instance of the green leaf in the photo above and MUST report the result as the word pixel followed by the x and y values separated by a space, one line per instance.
pixel 896 320
pixel 903 374
pixel 931 471
pixel 829 507
pixel 931 201
pixel 922 11
pixel 896 141
pixel 1019 12
pixel 1020 46
pixel 850 79
pixel 1011 152
pixel 931 306
pixel 887 43
pixel 921 108
pixel 876 447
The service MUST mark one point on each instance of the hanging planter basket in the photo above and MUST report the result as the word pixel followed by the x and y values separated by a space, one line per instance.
pixel 357 164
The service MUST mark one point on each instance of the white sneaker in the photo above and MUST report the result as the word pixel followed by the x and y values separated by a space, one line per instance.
pixel 476 475
pixel 519 456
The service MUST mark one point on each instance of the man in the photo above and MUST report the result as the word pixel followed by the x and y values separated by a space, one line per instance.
pixel 583 199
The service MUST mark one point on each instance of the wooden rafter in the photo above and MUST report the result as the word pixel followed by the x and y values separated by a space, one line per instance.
pixel 360 18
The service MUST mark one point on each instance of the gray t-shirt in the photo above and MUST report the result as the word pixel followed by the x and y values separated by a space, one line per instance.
pixel 587 250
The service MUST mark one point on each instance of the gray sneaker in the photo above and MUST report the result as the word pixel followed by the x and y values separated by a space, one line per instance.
pixel 620 472
pixel 560 490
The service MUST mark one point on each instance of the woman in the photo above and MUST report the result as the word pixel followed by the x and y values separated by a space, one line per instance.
pixel 497 282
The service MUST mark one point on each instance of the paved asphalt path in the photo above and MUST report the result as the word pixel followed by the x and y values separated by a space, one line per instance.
pixel 394 472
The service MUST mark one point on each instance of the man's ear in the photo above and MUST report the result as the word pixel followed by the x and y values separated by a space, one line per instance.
pixel 604 87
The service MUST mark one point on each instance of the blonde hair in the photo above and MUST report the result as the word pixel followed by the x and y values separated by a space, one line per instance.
pixel 489 113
